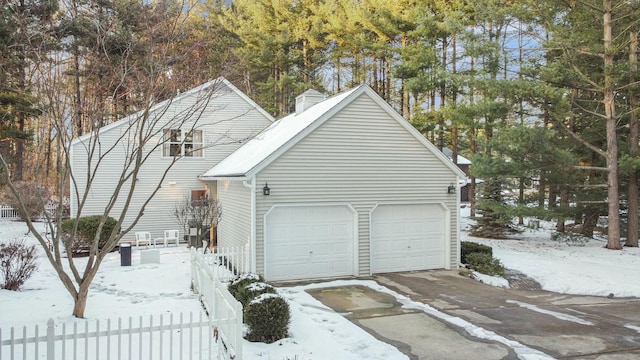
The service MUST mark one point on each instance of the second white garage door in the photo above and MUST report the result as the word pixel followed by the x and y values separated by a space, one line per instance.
pixel 407 237
pixel 305 242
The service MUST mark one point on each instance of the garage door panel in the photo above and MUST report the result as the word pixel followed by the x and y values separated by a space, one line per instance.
pixel 318 242
pixel 415 242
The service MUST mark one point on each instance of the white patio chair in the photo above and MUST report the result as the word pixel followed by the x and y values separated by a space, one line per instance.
pixel 143 237
pixel 171 235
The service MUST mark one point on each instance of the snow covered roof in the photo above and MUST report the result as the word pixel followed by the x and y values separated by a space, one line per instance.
pixel 273 138
pixel 258 152
pixel 461 159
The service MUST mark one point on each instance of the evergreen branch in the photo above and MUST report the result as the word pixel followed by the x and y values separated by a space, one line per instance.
pixel 596 168
pixel 578 138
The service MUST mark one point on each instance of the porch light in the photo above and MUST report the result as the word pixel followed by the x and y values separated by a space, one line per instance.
pixel 266 190
pixel 451 189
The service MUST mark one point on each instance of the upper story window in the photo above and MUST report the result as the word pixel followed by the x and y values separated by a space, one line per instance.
pixel 179 142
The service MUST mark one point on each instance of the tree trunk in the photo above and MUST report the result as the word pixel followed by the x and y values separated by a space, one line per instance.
pixel 632 214
pixel 472 185
pixel 564 203
pixel 591 216
pixel 521 199
pixel 80 300
pixel 613 241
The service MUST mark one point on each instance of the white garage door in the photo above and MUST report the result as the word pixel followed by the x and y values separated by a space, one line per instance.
pixel 407 237
pixel 305 242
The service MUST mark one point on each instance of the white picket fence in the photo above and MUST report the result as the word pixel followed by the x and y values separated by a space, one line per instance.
pixel 159 338
pixel 7 212
pixel 215 335
pixel 209 271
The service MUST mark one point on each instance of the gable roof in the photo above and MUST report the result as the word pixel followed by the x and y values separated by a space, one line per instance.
pixel 206 86
pixel 267 146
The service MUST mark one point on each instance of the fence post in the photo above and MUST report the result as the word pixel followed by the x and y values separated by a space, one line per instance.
pixel 238 330
pixel 247 259
pixel 51 340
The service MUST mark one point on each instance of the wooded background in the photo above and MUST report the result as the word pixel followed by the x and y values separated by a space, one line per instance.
pixel 541 95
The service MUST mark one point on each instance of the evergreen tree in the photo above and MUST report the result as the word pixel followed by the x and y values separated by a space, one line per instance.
pixel 25 31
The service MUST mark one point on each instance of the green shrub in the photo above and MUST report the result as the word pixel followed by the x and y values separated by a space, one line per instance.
pixel 267 317
pixel 241 282
pixel 245 294
pixel 87 228
pixel 485 263
pixel 468 247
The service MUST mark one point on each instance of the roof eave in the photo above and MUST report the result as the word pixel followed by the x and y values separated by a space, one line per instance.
pixel 233 177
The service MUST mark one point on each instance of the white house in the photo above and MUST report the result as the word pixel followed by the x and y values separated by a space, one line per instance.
pixel 198 128
pixel 343 187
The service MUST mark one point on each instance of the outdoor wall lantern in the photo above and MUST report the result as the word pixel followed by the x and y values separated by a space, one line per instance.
pixel 266 190
pixel 451 189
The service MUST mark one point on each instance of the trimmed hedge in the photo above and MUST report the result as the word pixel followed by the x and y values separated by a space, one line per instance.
pixel 468 247
pixel 87 228
pixel 266 313
pixel 246 294
pixel 267 317
pixel 238 285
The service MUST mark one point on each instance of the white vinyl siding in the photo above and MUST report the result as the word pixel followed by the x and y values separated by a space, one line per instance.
pixel 235 226
pixel 363 157
pixel 226 115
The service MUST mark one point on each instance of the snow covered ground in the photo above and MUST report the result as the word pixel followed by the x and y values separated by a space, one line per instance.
pixel 153 289
pixel 580 268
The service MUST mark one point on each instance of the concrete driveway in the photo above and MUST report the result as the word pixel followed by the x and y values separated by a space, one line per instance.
pixel 529 321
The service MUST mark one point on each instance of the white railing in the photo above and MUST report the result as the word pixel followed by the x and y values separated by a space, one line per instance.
pixel 208 271
pixel 228 262
pixel 7 212
pixel 146 339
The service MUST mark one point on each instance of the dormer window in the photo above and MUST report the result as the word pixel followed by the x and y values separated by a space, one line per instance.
pixel 179 142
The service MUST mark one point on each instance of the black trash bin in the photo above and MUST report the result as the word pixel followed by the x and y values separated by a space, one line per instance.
pixel 125 254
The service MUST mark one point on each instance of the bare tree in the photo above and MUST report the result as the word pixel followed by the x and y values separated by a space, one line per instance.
pixel 145 75
pixel 200 214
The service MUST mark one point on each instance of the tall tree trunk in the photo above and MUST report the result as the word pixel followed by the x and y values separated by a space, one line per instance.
pixel 613 241
pixel 542 184
pixel 19 154
pixel 564 203
pixel 472 185
pixel 634 137
pixel 521 199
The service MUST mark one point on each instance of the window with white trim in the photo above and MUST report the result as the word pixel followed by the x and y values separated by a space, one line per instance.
pixel 179 142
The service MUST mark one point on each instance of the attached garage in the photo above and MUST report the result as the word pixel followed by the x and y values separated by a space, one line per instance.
pixel 406 237
pixel 342 187
pixel 304 242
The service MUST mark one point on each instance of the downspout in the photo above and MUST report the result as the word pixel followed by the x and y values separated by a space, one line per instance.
pixel 251 184
pixel 458 221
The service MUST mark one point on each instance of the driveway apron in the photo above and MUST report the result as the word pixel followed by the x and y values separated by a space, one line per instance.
pixel 561 326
